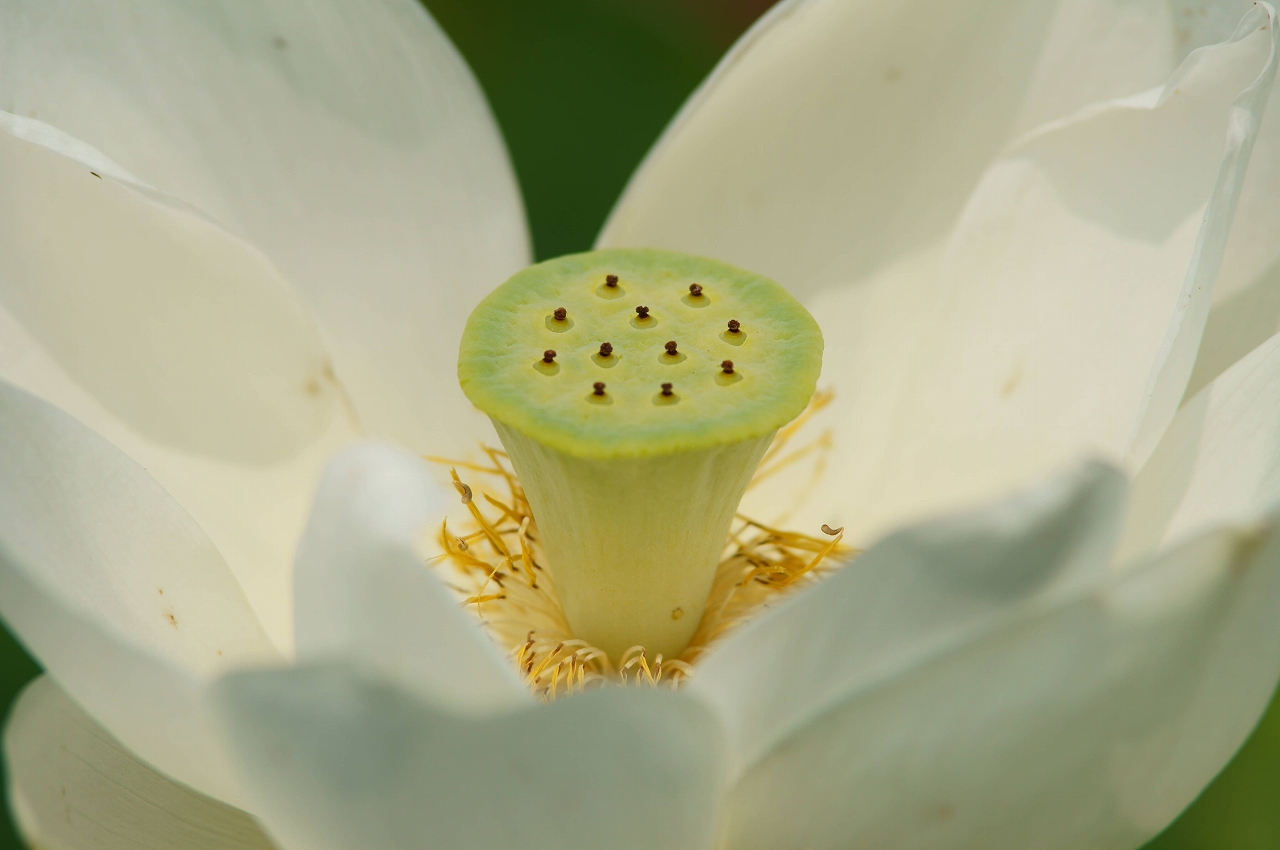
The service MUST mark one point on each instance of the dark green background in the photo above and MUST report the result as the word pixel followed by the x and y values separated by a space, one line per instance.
pixel 581 89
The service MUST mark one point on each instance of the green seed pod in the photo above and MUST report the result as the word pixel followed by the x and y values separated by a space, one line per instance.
pixel 635 391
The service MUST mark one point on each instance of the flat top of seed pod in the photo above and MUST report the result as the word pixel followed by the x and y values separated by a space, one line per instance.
pixel 699 354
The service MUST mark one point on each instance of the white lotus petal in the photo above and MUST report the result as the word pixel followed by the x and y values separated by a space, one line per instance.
pixel 174 339
pixel 1063 311
pixel 363 593
pixel 116 590
pixel 908 599
pixel 1246 298
pixel 839 136
pixel 1219 461
pixel 346 139
pixel 1088 724
pixel 74 787
pixel 1101 49
pixel 1177 356
pixel 336 761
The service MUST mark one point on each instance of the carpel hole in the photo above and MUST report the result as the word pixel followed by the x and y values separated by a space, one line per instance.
pixel 559 326
pixel 696 297
pixel 666 395
pixel 598 395
pixel 643 318
pixel 606 358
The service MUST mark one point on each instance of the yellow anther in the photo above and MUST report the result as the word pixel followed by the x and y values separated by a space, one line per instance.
pixel 526 559
pixel 489 530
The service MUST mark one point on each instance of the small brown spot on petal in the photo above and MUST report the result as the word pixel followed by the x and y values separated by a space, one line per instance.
pixel 560 314
pixel 642 312
pixel 611 280
pixel 1011 383
pixel 597 388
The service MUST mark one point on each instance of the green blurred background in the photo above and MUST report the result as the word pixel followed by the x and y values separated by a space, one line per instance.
pixel 582 88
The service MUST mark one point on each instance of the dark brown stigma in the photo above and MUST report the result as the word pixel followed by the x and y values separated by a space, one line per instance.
pixel 695 290
pixel 727 366
pixel 597 388
pixel 560 314
pixel 666 389
pixel 642 312
pixel 734 326
pixel 606 349
pixel 671 348
pixel 611 280
pixel 549 355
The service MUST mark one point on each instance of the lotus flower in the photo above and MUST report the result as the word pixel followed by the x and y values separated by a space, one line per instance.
pixel 242 240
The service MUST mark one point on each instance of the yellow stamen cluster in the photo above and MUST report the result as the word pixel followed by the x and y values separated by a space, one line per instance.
pixel 497 571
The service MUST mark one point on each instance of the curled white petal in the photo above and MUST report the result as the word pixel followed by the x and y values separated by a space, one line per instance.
pixel 337 761
pixel 347 140
pixel 364 594
pixel 1090 723
pixel 177 341
pixel 74 787
pixel 1218 462
pixel 909 598
pixel 113 587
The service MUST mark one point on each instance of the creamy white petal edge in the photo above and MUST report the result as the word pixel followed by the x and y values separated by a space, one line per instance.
pixel 1087 724
pixel 838 135
pixel 1246 297
pixel 988 316
pixel 363 595
pixel 911 598
pixel 116 590
pixel 346 139
pixel 74 787
pixel 1218 462
pixel 1085 718
pixel 1064 309
pixel 176 341
pixel 337 761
